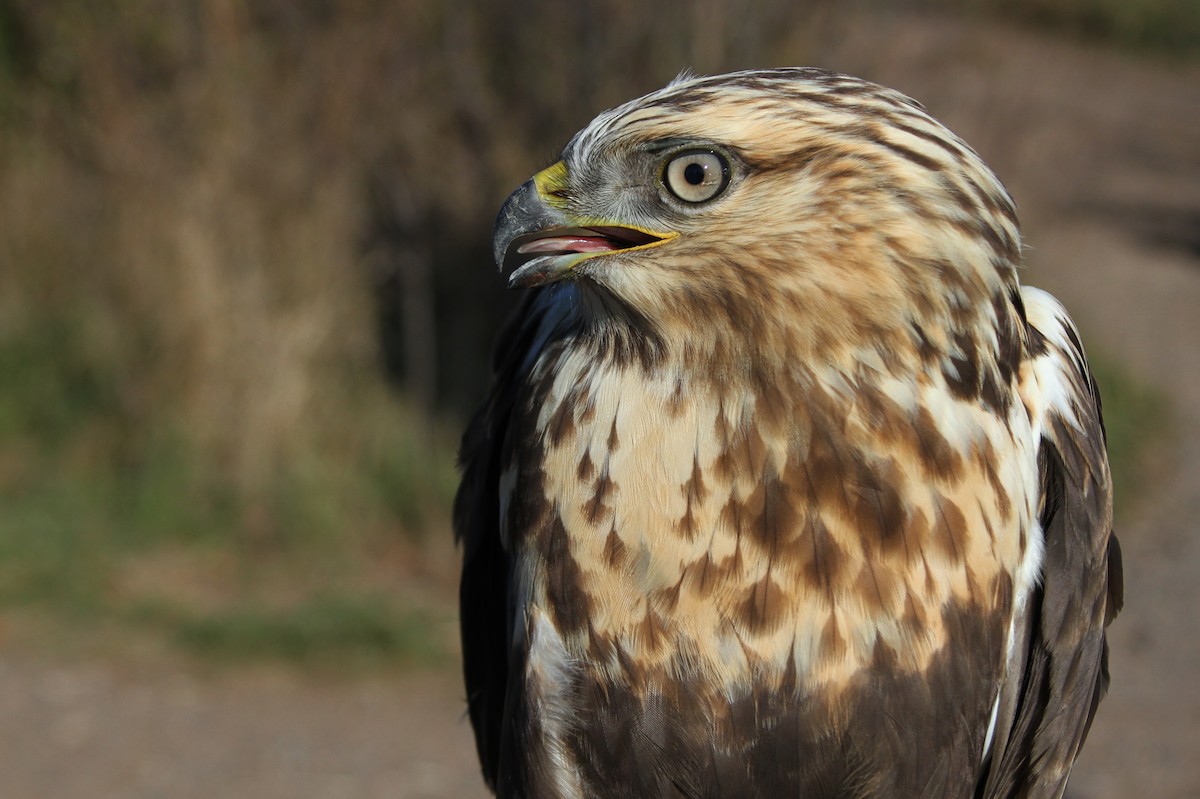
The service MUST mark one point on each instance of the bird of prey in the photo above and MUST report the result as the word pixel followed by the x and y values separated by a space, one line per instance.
pixel 784 486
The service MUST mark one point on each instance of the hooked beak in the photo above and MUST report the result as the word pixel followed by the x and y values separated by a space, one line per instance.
pixel 537 238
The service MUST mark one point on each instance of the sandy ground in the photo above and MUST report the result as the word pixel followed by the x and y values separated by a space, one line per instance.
pixel 1103 154
pixel 112 731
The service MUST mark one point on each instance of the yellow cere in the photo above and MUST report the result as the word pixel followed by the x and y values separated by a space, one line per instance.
pixel 550 183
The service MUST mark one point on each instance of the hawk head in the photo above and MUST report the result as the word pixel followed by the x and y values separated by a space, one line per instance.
pixel 749 203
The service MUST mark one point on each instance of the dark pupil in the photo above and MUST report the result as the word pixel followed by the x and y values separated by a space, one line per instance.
pixel 693 173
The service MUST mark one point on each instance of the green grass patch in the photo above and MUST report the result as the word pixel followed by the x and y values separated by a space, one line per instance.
pixel 327 631
pixel 91 493
pixel 1136 420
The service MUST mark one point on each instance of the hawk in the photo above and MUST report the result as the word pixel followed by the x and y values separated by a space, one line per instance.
pixel 784 486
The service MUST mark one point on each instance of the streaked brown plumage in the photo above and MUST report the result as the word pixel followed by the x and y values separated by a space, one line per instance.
pixel 784 487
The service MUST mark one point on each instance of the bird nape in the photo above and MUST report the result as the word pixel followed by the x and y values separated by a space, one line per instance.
pixel 784 486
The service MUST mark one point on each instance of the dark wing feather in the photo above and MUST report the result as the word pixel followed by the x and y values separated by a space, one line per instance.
pixel 486 613
pixel 1060 669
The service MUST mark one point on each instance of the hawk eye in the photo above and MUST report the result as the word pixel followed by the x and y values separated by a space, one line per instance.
pixel 696 176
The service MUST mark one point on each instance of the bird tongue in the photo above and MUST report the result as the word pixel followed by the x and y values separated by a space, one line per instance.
pixel 564 244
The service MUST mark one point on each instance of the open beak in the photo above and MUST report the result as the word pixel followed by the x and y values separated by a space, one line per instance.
pixel 542 243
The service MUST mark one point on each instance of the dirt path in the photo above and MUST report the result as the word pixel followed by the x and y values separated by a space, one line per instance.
pixel 105 731
pixel 1104 156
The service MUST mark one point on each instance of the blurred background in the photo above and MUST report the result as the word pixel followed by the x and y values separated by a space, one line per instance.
pixel 246 303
